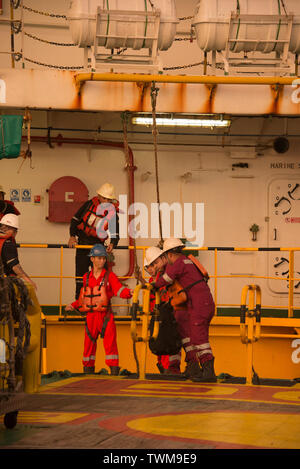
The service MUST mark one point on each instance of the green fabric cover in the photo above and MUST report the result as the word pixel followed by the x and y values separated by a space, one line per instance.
pixel 10 136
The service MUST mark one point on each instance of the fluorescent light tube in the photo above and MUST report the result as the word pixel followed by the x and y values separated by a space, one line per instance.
pixel 181 122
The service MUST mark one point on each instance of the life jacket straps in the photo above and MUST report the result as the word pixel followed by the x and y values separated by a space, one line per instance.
pixel 200 267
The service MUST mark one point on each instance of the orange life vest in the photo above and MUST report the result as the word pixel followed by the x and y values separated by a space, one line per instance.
pixel 94 299
pixel 90 219
pixel 199 267
pixel 177 295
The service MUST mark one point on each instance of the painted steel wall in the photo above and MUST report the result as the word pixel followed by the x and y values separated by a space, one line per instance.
pixel 233 201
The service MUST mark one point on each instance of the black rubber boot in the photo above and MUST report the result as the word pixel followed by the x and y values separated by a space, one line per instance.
pixel 89 369
pixel 193 369
pixel 208 373
pixel 114 370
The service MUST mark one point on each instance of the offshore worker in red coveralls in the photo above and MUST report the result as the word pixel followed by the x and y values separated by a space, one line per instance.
pixel 200 308
pixel 96 221
pixel 99 286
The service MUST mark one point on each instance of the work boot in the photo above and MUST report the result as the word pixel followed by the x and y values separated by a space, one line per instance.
pixel 114 370
pixel 89 369
pixel 172 371
pixel 208 373
pixel 193 369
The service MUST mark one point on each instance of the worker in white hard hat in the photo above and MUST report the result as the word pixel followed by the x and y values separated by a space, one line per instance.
pixel 155 264
pixel 191 275
pixel 6 206
pixel 97 221
pixel 9 226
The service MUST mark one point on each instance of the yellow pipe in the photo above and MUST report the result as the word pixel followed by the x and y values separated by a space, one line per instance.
pixel 250 339
pixel 243 327
pixel 216 281
pixel 81 78
pixel 135 302
pixel 291 284
pixel 61 278
pixel 145 330
pixel 250 325
pixel 258 322
pixel 156 320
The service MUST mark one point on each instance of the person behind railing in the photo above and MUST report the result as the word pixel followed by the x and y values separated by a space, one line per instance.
pixel 9 226
pixel 96 221
pixel 200 305
pixel 99 286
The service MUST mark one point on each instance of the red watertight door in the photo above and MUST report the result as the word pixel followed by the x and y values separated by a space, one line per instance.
pixel 66 195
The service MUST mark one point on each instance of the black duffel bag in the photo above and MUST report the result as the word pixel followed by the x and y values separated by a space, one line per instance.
pixel 168 341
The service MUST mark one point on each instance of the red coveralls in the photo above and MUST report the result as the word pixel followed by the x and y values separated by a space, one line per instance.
pixel 94 321
pixel 200 306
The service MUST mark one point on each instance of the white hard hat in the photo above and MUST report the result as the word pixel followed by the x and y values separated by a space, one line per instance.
pixel 107 191
pixel 172 243
pixel 152 253
pixel 10 220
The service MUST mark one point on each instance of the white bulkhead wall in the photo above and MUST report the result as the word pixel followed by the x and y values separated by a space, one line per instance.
pixel 233 201
pixel 232 204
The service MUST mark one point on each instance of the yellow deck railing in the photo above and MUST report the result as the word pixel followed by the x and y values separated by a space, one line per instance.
pixel 216 251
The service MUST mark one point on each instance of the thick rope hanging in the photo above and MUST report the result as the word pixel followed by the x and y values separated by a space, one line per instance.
pixel 154 93
pixel 125 116
pixel 137 269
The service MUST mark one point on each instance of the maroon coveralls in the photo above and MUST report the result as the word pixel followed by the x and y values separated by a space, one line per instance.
pixel 200 305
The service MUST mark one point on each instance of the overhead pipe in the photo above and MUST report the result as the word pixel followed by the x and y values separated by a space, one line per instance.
pixel 130 169
pixel 81 78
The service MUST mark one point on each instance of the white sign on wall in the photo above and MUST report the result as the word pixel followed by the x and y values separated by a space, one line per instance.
pixel 284 225
pixel 26 195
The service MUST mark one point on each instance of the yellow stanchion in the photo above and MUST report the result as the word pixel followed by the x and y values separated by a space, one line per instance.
pixel 44 345
pixel 31 366
pixel 250 323
pixel 146 316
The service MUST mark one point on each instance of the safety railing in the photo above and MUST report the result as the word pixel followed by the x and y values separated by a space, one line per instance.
pixel 250 323
pixel 213 275
pixel 146 316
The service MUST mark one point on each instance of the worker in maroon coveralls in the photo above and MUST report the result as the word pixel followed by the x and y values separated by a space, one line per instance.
pixel 99 286
pixel 201 309
pixel 180 313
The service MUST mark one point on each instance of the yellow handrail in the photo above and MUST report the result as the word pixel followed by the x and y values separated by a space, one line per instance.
pixel 250 323
pixel 146 314
pixel 214 275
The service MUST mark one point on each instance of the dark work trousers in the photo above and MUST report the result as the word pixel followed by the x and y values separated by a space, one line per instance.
pixel 82 264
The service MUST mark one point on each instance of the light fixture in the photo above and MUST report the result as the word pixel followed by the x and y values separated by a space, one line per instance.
pixel 182 121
